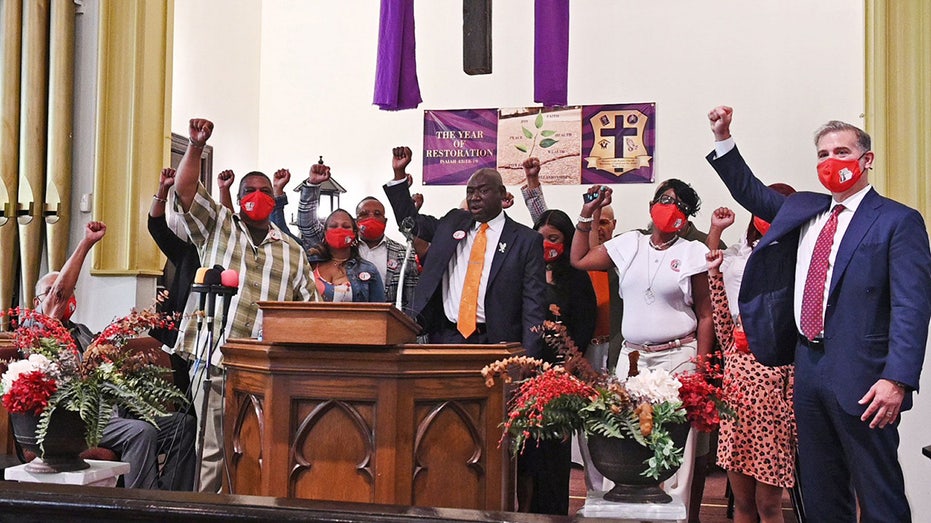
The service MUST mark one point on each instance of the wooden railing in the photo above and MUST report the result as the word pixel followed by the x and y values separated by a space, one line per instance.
pixel 40 502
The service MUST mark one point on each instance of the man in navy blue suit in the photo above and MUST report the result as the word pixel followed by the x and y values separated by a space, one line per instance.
pixel 841 285
pixel 512 294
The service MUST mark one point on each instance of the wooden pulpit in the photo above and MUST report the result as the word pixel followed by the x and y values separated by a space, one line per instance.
pixel 336 403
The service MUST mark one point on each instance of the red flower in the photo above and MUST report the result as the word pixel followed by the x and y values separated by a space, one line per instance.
pixel 30 393
pixel 703 399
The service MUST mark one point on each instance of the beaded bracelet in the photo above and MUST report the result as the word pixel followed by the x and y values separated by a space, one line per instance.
pixel 583 219
pixel 163 200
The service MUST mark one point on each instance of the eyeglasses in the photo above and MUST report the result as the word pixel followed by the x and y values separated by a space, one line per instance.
pixel 665 199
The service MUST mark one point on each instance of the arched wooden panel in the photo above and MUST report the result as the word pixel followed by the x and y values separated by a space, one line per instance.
pixel 448 460
pixel 332 453
pixel 248 438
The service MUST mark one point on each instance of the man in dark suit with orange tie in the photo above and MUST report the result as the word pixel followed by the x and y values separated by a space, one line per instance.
pixel 841 285
pixel 484 277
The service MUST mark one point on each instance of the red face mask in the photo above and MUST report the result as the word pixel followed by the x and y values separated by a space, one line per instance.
pixel 69 310
pixel 740 341
pixel 338 238
pixel 371 229
pixel 839 175
pixel 552 251
pixel 667 217
pixel 257 205
pixel 760 225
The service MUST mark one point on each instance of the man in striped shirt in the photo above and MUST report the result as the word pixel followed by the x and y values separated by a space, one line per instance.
pixel 270 264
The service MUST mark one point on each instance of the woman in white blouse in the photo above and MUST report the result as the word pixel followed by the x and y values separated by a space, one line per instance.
pixel 664 284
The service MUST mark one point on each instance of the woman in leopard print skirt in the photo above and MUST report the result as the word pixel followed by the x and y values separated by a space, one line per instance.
pixel 757 448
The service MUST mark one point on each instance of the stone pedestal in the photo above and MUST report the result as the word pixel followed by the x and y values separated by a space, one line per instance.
pixel 596 507
pixel 100 474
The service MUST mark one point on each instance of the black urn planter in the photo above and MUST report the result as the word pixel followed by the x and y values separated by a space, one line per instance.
pixel 623 462
pixel 63 443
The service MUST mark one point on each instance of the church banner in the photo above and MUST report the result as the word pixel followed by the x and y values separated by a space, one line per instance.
pixel 458 143
pixel 551 134
pixel 608 144
pixel 618 142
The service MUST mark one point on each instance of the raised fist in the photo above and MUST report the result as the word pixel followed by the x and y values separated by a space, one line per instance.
pixel 400 159
pixel 225 179
pixel 722 218
pixel 199 131
pixel 94 231
pixel 167 178
pixel 532 172
pixel 714 259
pixel 720 118
pixel 319 173
pixel 280 181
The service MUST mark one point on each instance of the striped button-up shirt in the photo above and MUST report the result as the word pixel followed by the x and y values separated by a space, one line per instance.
pixel 276 269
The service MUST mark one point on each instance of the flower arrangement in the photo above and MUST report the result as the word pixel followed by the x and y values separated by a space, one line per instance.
pixel 53 374
pixel 554 400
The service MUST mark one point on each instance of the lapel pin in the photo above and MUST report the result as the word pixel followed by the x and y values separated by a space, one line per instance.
pixel 502 246
pixel 458 235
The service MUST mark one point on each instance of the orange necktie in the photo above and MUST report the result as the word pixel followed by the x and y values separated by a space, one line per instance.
pixel 469 303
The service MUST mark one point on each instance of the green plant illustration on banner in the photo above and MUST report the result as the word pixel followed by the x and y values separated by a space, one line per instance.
pixel 546 135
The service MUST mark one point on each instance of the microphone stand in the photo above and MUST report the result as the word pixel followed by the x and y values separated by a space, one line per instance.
pixel 407 227
pixel 207 384
pixel 227 293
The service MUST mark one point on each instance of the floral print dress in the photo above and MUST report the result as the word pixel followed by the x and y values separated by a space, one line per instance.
pixel 760 442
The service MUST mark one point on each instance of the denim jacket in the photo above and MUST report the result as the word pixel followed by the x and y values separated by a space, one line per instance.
pixel 364 280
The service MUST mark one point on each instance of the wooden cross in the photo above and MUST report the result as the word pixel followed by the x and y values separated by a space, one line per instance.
pixel 476 36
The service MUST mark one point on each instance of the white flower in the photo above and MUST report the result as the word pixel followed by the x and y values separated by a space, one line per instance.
pixel 19 367
pixel 654 386
pixel 107 370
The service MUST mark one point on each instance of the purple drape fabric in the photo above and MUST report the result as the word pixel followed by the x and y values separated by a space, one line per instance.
pixel 551 52
pixel 396 84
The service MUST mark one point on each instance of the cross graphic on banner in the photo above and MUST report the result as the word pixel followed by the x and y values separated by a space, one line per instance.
pixel 618 132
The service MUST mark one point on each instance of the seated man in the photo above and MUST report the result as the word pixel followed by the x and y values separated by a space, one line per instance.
pixel 137 442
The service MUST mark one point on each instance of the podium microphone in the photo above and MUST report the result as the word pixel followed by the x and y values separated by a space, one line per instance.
pixel 198 282
pixel 229 286
pixel 205 282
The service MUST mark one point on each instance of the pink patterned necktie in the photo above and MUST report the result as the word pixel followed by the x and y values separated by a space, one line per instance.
pixel 812 317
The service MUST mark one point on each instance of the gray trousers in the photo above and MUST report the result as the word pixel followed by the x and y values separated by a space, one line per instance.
pixel 140 443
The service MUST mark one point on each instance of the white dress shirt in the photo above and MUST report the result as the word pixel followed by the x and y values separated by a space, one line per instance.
pixel 806 247
pixel 454 279
pixel 377 255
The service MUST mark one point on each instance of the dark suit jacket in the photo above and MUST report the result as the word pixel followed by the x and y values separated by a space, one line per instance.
pixel 879 299
pixel 515 298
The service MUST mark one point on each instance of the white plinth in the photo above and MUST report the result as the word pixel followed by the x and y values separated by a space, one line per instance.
pixel 100 474
pixel 596 507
